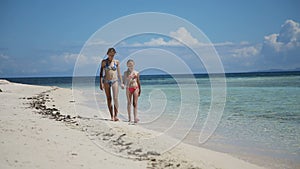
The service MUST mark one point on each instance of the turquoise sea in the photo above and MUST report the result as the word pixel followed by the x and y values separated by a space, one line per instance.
pixel 260 122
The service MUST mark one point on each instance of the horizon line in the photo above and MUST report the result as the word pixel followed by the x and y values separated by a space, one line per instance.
pixel 163 74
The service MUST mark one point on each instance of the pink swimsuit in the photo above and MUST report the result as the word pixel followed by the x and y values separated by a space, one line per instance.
pixel 132 89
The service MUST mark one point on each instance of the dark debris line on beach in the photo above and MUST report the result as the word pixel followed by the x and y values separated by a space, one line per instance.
pixel 119 145
pixel 154 159
pixel 38 103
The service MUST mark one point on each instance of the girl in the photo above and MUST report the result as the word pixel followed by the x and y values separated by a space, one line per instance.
pixel 133 89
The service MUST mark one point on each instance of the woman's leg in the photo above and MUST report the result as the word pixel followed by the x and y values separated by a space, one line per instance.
pixel 135 104
pixel 115 90
pixel 108 99
pixel 129 98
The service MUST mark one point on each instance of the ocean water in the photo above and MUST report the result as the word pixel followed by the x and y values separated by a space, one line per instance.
pixel 261 115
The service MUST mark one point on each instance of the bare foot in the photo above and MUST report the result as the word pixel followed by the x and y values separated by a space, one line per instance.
pixel 136 120
pixel 116 119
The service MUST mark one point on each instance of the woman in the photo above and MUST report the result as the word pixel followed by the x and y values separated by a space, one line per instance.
pixel 133 89
pixel 110 81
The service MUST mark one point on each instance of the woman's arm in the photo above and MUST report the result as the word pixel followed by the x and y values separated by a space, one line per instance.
pixel 139 84
pixel 101 75
pixel 119 74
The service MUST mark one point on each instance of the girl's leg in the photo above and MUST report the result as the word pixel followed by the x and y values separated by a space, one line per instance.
pixel 135 104
pixel 115 90
pixel 108 99
pixel 129 98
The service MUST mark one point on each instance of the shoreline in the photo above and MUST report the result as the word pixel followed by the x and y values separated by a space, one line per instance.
pixel 255 155
pixel 56 105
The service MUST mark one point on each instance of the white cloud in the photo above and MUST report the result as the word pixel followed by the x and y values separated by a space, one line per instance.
pixel 97 42
pixel 239 56
pixel 277 51
pixel 180 35
pixel 156 42
pixel 288 37
pixel 55 64
pixel 64 58
pixel 248 51
pixel 283 49
pixel 271 40
pixel 280 50
pixel 70 57
pixel 161 42
pixel 223 44
pixel 183 35
pixel 289 33
pixel 244 43
pixel 3 56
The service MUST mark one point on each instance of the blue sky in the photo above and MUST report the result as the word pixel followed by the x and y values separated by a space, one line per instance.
pixel 40 38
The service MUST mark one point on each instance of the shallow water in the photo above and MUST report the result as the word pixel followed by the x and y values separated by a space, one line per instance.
pixel 261 117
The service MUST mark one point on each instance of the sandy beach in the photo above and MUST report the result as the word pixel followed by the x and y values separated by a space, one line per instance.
pixel 40 128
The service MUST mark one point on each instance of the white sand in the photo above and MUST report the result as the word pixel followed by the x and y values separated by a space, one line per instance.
pixel 32 140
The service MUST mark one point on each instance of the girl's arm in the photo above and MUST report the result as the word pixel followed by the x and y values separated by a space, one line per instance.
pixel 139 84
pixel 125 77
